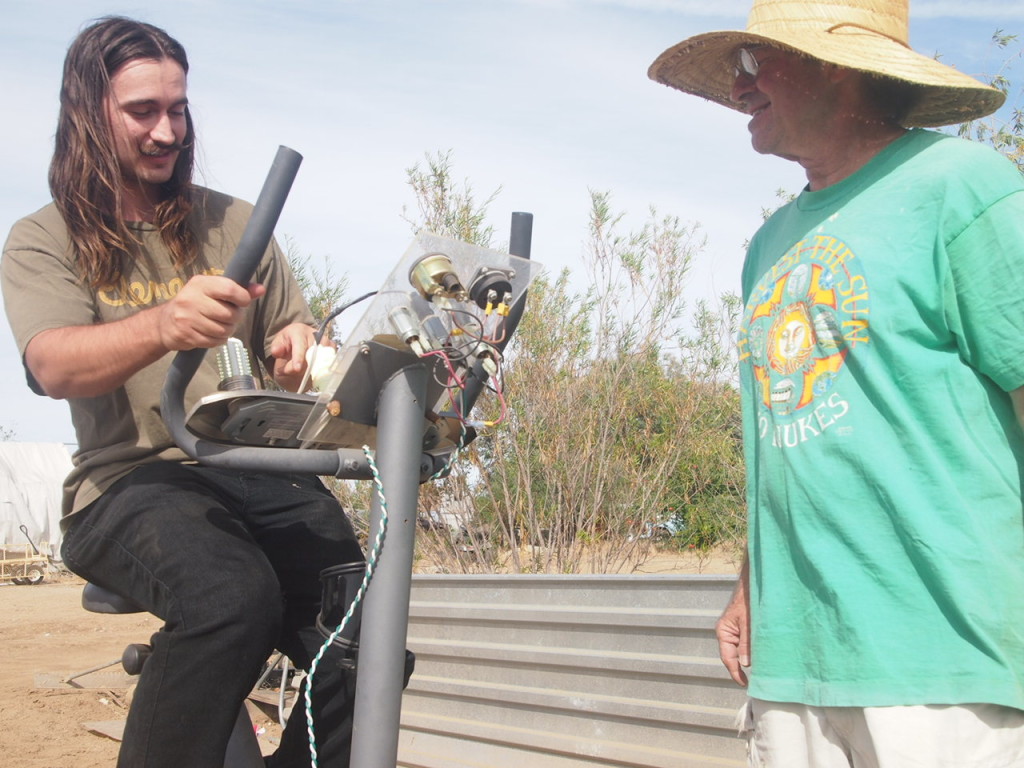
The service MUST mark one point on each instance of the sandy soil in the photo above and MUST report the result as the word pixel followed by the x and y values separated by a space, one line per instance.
pixel 45 630
pixel 46 636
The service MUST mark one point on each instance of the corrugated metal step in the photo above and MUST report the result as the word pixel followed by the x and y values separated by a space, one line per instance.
pixel 575 704
pixel 468 744
pixel 567 656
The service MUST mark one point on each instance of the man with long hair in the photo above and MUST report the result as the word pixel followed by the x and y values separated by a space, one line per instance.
pixel 101 286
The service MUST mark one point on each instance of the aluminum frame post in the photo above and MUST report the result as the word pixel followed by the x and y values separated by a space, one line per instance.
pixel 385 618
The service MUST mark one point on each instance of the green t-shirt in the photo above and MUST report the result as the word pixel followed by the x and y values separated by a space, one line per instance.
pixel 43 289
pixel 883 328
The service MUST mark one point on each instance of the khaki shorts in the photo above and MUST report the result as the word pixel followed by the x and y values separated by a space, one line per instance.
pixel 799 736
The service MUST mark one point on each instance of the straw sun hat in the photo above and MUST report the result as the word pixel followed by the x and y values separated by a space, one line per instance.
pixel 866 35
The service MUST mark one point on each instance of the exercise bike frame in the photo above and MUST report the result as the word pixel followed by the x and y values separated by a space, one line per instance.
pixel 401 462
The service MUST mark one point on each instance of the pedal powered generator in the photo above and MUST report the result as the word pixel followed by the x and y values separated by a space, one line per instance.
pixel 393 407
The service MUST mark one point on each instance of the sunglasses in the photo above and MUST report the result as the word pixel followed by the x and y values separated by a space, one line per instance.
pixel 745 64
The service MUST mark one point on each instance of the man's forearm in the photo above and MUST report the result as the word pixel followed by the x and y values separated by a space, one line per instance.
pixel 1017 398
pixel 741 592
pixel 91 360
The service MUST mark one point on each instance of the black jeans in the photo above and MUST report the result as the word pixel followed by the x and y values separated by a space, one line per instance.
pixel 230 562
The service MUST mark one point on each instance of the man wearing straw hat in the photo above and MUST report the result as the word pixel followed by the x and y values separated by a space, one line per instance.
pixel 879 620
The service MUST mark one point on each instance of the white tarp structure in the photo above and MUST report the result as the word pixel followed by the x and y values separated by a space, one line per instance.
pixel 31 478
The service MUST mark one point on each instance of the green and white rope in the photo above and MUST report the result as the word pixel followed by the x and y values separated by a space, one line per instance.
pixel 371 564
pixel 459 446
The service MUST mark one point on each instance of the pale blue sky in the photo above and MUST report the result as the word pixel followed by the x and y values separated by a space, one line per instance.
pixel 544 98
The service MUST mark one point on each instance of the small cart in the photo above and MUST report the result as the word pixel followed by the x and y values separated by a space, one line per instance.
pixel 22 566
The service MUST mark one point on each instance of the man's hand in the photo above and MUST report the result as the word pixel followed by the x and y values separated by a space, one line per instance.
pixel 733 630
pixel 289 352
pixel 205 312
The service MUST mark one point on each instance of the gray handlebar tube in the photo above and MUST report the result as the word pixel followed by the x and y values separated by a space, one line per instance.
pixel 259 229
pixel 519 244
pixel 265 213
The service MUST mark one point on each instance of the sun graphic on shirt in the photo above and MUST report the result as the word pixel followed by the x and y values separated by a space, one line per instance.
pixel 792 339
pixel 798 331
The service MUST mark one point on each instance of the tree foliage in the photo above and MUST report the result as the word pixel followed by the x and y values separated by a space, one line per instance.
pixel 1004 130
pixel 444 208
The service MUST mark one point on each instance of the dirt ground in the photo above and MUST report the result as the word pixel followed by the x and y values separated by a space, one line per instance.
pixel 46 637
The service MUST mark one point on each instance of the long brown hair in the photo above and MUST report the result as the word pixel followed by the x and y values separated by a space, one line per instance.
pixel 85 175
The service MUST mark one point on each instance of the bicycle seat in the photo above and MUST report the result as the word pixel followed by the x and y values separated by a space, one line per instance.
pixel 101 600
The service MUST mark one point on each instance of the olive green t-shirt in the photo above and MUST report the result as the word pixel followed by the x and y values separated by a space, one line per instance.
pixel 43 289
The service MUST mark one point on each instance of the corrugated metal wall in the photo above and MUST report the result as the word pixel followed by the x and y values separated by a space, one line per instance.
pixel 536 671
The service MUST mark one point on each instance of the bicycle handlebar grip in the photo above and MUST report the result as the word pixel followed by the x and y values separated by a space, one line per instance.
pixel 260 227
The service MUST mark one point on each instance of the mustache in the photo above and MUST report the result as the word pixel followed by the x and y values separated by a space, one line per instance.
pixel 154 149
